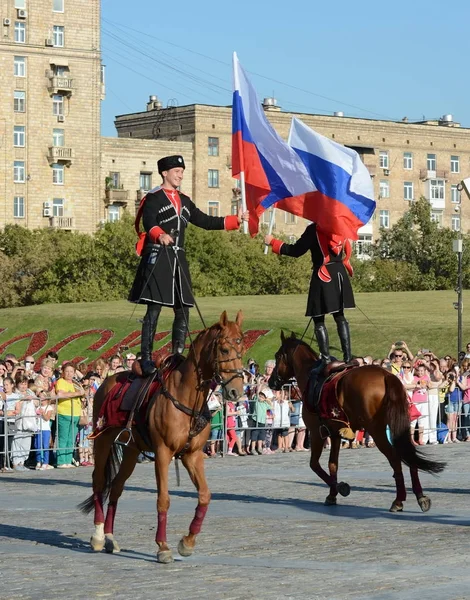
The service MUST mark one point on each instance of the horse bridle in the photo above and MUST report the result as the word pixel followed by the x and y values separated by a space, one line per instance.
pixel 233 343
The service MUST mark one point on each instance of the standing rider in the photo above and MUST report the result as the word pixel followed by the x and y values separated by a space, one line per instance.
pixel 330 289
pixel 163 278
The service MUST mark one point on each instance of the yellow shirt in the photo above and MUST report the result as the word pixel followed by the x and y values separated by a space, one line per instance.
pixel 67 406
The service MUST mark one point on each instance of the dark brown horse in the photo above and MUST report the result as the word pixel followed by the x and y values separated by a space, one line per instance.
pixel 214 358
pixel 372 398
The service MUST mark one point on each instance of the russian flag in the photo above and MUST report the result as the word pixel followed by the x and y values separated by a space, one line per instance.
pixel 311 177
pixel 273 170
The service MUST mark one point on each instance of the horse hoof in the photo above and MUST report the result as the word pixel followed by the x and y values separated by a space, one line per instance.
pixel 424 503
pixel 97 544
pixel 165 557
pixel 396 508
pixel 330 501
pixel 184 550
pixel 344 488
pixel 111 546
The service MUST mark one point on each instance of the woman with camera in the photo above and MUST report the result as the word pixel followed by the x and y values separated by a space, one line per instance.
pixel 454 397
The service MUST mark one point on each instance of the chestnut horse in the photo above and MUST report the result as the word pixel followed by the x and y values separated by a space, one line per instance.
pixel 214 358
pixel 372 398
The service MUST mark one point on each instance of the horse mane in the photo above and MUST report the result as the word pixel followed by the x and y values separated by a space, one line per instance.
pixel 298 342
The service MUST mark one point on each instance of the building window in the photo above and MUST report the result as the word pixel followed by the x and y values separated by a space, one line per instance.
pixel 454 164
pixel 58 207
pixel 58 137
pixel 267 217
pixel 58 6
pixel 18 207
pixel 61 71
pixel 20 3
pixel 213 178
pixel 408 192
pixel 19 136
pixel 363 244
pixel 145 181
pixel 384 219
pixel 57 105
pixel 436 217
pixel 113 213
pixel 431 162
pixel 20 66
pixel 383 159
pixel 213 208
pixel 58 174
pixel 407 160
pixel 437 189
pixel 213 146
pixel 19 171
pixel 455 224
pixel 20 32
pixel 234 207
pixel 290 218
pixel 58 36
pixel 19 101
pixel 114 180
pixel 455 194
pixel 384 189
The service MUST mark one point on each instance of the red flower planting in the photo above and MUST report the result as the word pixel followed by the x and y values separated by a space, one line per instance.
pixel 37 342
pixel 105 336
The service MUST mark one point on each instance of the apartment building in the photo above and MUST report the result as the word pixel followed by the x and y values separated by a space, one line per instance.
pixel 51 87
pixel 405 160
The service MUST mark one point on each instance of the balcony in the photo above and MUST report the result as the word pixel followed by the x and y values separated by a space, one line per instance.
pixel 66 223
pixel 116 196
pixel 60 85
pixel 425 174
pixel 58 154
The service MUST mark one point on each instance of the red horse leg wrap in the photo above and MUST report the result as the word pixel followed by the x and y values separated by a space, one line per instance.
pixel 401 489
pixel 111 513
pixel 160 536
pixel 415 482
pixel 99 514
pixel 196 523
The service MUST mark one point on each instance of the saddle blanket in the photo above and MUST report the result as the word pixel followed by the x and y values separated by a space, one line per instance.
pixel 328 406
pixel 111 413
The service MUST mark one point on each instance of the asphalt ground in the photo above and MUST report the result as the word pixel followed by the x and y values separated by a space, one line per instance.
pixel 267 534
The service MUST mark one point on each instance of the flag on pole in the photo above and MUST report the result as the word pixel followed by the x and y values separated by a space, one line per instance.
pixel 312 177
pixel 343 198
pixel 272 169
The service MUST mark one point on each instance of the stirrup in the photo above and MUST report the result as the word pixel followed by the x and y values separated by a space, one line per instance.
pixel 129 439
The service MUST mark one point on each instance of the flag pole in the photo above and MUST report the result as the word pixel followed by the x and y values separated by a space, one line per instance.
pixel 270 228
pixel 242 187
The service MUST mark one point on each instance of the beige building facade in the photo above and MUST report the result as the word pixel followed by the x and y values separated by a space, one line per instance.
pixel 51 87
pixel 129 170
pixel 405 160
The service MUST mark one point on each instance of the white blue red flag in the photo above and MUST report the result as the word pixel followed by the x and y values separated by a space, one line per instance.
pixel 337 197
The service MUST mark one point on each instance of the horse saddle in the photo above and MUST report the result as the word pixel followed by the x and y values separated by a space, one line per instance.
pixel 136 392
pixel 320 375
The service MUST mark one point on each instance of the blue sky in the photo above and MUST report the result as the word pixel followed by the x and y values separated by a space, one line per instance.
pixel 368 59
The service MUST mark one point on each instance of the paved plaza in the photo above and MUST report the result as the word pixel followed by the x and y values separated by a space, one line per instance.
pixel 267 534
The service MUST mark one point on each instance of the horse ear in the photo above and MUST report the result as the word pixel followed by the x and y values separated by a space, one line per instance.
pixel 223 319
pixel 239 319
pixel 283 337
pixel 293 336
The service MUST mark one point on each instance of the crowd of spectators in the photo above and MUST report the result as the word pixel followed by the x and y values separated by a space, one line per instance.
pixel 264 421
pixel 46 410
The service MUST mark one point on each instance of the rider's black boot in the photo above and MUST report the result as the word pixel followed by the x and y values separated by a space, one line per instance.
pixel 345 339
pixel 149 327
pixel 178 334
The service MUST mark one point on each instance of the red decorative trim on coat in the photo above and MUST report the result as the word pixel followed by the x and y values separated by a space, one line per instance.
pixel 276 245
pixel 335 244
pixel 231 223
pixel 155 233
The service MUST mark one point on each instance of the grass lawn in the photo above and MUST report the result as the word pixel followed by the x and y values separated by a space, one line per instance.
pixel 422 319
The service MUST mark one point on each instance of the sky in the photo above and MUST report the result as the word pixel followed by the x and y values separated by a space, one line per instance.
pixel 366 58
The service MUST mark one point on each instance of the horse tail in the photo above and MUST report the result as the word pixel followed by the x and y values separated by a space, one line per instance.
pixel 397 416
pixel 111 469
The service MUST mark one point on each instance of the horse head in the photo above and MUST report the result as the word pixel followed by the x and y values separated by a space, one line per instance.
pixel 226 354
pixel 283 371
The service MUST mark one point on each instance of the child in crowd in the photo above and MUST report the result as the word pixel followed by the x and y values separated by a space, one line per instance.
pixel 42 439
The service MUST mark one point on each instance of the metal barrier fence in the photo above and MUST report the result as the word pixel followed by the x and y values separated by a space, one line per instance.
pixel 23 434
